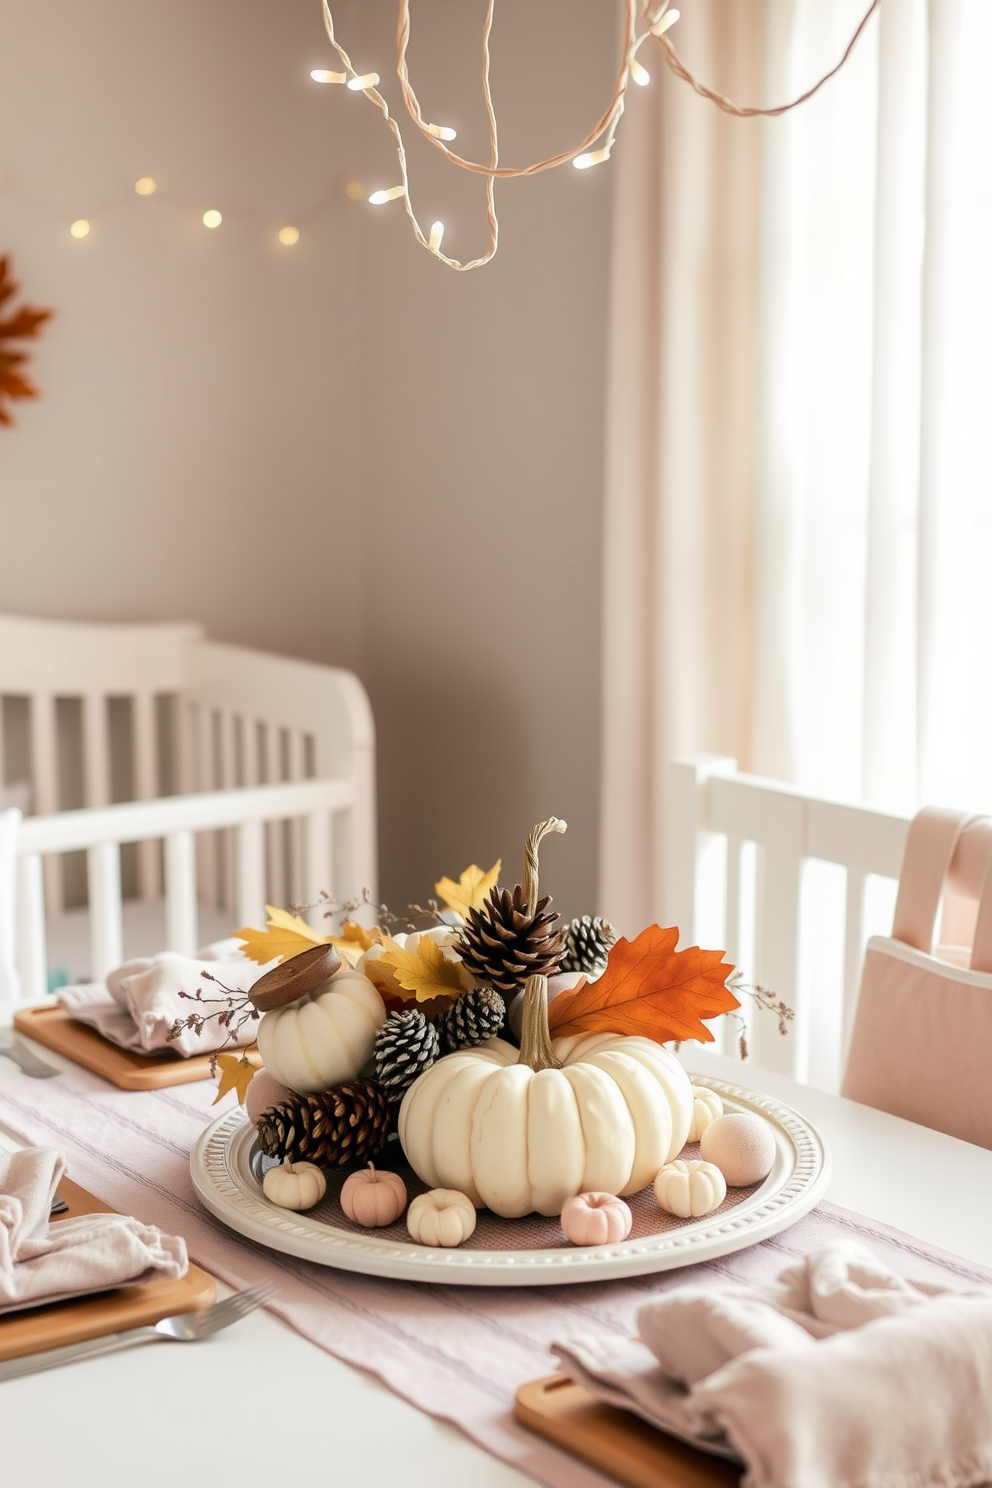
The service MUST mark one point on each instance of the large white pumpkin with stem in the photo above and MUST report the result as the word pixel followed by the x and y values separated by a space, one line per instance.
pixel 525 1130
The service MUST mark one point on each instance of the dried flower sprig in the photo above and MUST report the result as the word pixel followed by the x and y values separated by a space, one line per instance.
pixel 764 1000
pixel 234 1011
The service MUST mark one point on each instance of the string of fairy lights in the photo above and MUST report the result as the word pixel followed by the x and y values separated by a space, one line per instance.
pixel 646 22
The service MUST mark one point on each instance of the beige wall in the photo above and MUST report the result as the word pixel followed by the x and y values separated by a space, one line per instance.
pixel 342 450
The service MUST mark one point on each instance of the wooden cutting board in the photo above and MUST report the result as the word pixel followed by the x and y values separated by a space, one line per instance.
pixel 38 1328
pixel 53 1027
pixel 616 1442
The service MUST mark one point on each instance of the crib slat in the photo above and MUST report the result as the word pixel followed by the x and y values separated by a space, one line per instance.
pixel 106 930
pixel 317 867
pixel 778 941
pixel 32 953
pixel 726 1033
pixel 274 830
pixel 206 842
pixel 299 878
pixel 854 934
pixel 250 880
pixel 146 789
pixel 228 782
pixel 180 893
pixel 96 749
pixel 44 769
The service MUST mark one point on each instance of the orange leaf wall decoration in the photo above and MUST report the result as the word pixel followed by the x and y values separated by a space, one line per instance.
pixel 649 989
pixel 15 325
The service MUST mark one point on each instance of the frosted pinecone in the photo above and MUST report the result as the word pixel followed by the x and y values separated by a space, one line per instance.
pixel 587 944
pixel 472 1018
pixel 405 1046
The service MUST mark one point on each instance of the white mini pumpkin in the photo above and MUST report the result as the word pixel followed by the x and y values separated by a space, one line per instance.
pixel 706 1107
pixel 294 1185
pixel 442 1217
pixel 325 1038
pixel 690 1188
pixel 519 1131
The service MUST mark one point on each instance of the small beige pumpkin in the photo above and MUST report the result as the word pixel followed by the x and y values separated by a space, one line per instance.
pixel 742 1145
pixel 324 1038
pixel 442 1217
pixel 690 1188
pixel 373 1199
pixel 596 1219
pixel 706 1107
pixel 294 1185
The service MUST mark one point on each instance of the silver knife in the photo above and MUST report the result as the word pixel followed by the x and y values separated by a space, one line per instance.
pixel 22 1056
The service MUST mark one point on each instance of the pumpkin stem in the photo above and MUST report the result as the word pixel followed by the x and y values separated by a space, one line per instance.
pixel 373 1175
pixel 535 1038
pixel 529 881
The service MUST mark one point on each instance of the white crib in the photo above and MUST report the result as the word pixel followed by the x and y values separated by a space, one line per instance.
pixel 247 778
pixel 793 885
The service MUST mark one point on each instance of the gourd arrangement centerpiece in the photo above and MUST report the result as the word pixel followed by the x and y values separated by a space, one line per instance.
pixel 377 1030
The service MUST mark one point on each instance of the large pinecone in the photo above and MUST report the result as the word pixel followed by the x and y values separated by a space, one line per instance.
pixel 347 1124
pixel 405 1046
pixel 472 1018
pixel 502 944
pixel 587 945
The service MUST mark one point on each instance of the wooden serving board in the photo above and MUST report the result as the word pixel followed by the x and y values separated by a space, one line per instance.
pixel 129 1070
pixel 616 1442
pixel 76 1321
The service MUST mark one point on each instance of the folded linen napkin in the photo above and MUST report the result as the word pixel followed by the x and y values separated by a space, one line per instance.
pixel 840 1374
pixel 140 1001
pixel 42 1262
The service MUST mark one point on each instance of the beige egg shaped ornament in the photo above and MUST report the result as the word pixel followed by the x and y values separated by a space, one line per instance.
pixel 741 1145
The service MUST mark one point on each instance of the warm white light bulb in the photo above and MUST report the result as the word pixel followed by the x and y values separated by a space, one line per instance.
pixel 80 228
pixel 367 80
pixel 212 218
pixel 321 75
pixel 664 22
pixel 289 235
pixel 379 198
pixel 147 186
pixel 442 132
pixel 437 233
pixel 593 157
pixel 640 74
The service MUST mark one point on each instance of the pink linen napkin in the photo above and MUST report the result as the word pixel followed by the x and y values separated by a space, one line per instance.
pixel 140 1001
pixel 42 1262
pixel 839 1374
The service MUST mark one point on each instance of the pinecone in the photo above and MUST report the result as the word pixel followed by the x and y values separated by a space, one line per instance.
pixel 587 945
pixel 336 1127
pixel 502 944
pixel 472 1018
pixel 405 1046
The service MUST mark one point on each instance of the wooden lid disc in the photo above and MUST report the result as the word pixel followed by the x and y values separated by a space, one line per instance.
pixel 295 978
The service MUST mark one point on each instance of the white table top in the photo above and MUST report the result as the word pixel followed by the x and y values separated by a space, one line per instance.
pixel 260 1405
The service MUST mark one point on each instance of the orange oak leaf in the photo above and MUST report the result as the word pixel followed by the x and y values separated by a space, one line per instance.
pixel 649 989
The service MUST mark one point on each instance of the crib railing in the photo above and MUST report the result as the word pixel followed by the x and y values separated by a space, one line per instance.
pixel 173 821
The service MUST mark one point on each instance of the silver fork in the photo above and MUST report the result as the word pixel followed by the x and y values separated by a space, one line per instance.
pixel 185 1327
pixel 28 1061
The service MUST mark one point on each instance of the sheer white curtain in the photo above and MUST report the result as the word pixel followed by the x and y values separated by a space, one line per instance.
pixel 798 536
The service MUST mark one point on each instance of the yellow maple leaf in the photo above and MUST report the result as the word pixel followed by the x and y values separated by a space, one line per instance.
pixel 235 1074
pixel 286 935
pixel 471 889
pixel 424 971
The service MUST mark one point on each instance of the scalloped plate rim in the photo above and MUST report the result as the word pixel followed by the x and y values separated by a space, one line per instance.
pixel 226 1187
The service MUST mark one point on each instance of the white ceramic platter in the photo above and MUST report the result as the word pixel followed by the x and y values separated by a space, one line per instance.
pixel 222 1176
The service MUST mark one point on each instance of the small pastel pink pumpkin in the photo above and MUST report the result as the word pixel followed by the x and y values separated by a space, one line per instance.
pixel 596 1219
pixel 373 1199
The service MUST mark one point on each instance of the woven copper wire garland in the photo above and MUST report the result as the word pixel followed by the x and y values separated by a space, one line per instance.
pixel 657 20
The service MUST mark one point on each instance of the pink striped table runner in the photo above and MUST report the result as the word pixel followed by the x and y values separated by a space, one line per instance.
pixel 457 1353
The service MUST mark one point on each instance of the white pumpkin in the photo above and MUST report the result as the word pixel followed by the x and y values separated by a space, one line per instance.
pixel 706 1107
pixel 441 1217
pixel 690 1188
pixel 325 1038
pixel 519 1131
pixel 294 1185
